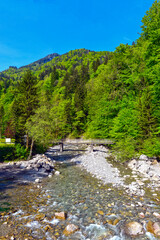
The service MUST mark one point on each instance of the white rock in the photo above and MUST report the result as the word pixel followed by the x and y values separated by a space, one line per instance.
pixel 140 204
pixel 143 157
pixel 37 180
pixel 50 175
pixel 156 214
pixel 141 215
pixel 139 182
pixel 143 166
pixel 132 164
pixel 57 173
pixel 155 178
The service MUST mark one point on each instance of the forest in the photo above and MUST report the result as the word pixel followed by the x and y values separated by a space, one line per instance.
pixel 83 93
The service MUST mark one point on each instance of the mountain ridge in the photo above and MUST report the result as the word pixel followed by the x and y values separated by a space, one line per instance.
pixel 43 60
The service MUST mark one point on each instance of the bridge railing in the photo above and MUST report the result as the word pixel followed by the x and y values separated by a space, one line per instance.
pixel 83 141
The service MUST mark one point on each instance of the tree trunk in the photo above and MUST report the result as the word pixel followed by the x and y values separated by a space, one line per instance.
pixel 27 141
pixel 30 153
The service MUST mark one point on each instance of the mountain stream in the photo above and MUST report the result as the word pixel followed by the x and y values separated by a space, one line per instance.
pixel 27 210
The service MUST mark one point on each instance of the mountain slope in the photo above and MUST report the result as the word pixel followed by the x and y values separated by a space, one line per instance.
pixel 112 95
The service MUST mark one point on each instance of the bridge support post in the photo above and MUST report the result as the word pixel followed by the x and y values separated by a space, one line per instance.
pixel 91 148
pixel 61 146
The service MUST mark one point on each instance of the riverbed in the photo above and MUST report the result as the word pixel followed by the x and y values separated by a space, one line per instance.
pixel 99 211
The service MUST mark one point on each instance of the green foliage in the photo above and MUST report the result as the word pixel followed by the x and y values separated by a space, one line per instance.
pixel 94 94
pixel 20 151
pixel 151 147
pixel 122 126
pixel 9 152
pixel 6 152
pixel 39 126
pixel 125 149
pixel 25 103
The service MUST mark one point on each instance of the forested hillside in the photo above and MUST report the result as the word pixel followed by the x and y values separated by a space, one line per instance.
pixel 113 95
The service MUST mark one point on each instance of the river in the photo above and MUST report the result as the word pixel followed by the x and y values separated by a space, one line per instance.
pixel 99 211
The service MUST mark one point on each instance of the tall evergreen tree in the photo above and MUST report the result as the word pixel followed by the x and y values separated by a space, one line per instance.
pixel 25 104
pixel 1 119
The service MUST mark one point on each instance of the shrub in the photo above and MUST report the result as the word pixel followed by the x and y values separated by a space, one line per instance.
pixel 125 149
pixel 20 151
pixel 151 147
pixel 6 152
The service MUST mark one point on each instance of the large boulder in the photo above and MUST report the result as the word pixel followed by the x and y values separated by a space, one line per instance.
pixel 143 167
pixel 153 228
pixel 134 229
pixel 70 229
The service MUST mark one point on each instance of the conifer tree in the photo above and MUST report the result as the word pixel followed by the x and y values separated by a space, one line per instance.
pixel 25 104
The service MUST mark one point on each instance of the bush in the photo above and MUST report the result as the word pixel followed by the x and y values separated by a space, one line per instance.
pixel 6 152
pixel 9 152
pixel 38 148
pixel 125 149
pixel 151 147
pixel 20 151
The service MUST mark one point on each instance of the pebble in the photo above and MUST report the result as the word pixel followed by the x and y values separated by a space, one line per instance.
pixel 61 215
pixel 37 180
pixel 50 175
pixel 141 215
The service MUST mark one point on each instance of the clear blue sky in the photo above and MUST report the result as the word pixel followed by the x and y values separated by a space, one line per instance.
pixel 32 29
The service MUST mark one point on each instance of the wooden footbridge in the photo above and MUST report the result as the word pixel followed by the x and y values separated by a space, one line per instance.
pixel 90 142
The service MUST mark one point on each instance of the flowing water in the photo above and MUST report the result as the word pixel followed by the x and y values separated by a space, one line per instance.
pixel 100 212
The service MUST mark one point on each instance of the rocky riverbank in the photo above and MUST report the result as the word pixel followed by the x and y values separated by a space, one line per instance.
pixel 95 163
pixel 145 172
pixel 26 171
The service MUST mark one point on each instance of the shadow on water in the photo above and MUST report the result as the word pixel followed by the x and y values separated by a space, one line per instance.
pixel 95 150
pixel 68 164
pixel 11 180
pixel 65 157
pixel 11 177
pixel 73 150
